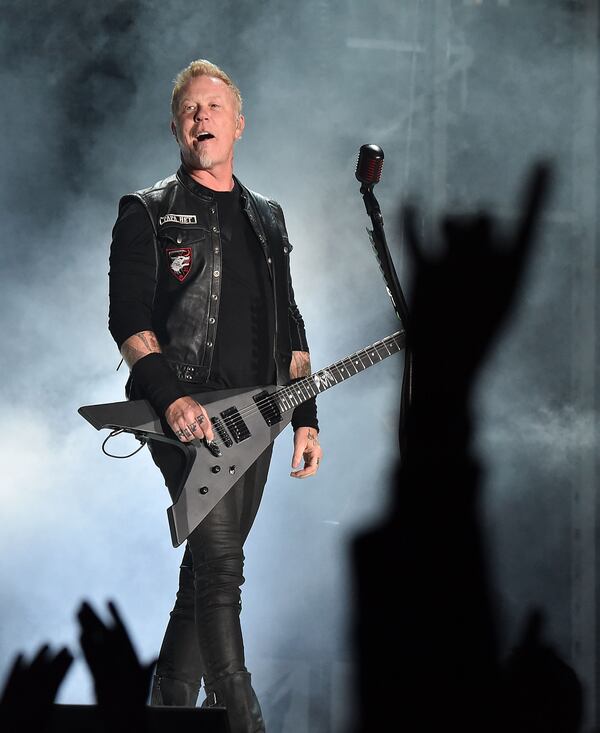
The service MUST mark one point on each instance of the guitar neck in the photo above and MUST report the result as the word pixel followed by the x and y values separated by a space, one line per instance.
pixel 308 387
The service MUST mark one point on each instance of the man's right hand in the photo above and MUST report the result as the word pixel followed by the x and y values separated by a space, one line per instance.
pixel 189 420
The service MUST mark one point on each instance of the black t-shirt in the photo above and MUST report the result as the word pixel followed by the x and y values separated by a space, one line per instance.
pixel 243 351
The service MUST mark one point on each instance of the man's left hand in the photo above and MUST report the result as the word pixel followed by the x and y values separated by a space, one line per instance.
pixel 306 445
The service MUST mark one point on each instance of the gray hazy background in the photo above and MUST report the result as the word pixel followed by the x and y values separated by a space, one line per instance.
pixel 462 96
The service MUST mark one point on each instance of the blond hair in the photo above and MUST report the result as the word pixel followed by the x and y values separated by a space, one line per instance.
pixel 202 67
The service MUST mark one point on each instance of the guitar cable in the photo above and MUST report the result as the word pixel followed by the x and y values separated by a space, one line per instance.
pixel 113 434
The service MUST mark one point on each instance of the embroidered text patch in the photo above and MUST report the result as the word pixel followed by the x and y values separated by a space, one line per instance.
pixel 178 219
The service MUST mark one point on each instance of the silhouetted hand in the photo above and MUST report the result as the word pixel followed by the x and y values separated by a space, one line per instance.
pixel 31 688
pixel 121 681
pixel 462 295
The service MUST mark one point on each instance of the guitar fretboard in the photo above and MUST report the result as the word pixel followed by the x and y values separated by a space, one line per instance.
pixel 304 389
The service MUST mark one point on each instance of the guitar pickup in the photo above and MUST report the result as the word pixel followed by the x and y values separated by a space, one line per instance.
pixel 235 424
pixel 268 407
pixel 221 432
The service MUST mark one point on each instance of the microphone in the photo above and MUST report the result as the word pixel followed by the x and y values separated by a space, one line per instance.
pixel 369 164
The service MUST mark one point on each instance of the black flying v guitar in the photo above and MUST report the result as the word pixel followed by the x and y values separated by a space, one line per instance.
pixel 245 422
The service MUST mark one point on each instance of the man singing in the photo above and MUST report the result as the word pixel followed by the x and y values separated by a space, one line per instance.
pixel 201 299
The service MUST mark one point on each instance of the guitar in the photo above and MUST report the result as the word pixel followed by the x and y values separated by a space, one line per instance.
pixel 245 422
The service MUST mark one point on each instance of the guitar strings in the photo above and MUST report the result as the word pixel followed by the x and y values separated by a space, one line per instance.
pixel 309 382
pixel 291 391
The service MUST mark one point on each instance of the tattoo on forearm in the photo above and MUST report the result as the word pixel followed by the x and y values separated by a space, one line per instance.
pixel 300 364
pixel 139 345
pixel 149 340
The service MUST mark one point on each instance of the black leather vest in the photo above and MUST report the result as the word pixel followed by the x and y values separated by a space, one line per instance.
pixel 188 273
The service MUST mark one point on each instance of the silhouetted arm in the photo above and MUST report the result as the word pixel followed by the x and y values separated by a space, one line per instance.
pixel 121 681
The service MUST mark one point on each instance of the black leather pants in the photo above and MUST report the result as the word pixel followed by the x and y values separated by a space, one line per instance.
pixel 203 637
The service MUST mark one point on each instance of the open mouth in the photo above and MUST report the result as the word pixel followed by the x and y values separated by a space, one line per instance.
pixel 201 136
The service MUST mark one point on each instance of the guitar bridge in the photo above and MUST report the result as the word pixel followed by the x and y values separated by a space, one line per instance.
pixel 235 424
pixel 268 408
pixel 221 432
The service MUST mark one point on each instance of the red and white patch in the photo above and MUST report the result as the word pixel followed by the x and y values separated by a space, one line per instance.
pixel 180 261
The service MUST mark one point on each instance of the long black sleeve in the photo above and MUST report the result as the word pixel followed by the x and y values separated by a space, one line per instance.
pixel 132 275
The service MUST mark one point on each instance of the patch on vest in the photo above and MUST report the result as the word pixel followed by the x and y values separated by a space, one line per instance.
pixel 180 261
pixel 178 219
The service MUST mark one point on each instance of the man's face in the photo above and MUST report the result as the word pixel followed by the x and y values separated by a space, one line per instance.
pixel 206 125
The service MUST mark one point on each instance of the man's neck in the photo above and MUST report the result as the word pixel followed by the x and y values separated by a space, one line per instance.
pixel 216 180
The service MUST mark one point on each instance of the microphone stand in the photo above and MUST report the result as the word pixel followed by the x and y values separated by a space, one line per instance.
pixel 394 290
